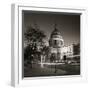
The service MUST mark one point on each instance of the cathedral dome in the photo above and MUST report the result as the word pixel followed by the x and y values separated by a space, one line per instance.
pixel 55 32
pixel 56 39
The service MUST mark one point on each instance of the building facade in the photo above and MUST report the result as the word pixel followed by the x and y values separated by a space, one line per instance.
pixel 58 51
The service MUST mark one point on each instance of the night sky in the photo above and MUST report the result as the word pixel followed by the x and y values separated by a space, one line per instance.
pixel 67 24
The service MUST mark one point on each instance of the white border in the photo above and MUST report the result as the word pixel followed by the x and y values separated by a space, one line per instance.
pixel 16 67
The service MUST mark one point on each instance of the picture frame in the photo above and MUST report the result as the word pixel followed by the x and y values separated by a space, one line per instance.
pixel 17 78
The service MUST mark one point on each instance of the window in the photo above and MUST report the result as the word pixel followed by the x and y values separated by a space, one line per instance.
pixel 55 42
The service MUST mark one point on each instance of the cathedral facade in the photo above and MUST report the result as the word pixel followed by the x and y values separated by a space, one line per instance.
pixel 58 50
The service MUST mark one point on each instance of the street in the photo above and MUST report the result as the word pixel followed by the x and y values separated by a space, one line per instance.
pixel 51 70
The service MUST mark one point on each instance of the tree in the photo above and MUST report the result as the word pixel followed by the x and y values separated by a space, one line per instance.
pixel 76 49
pixel 34 38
